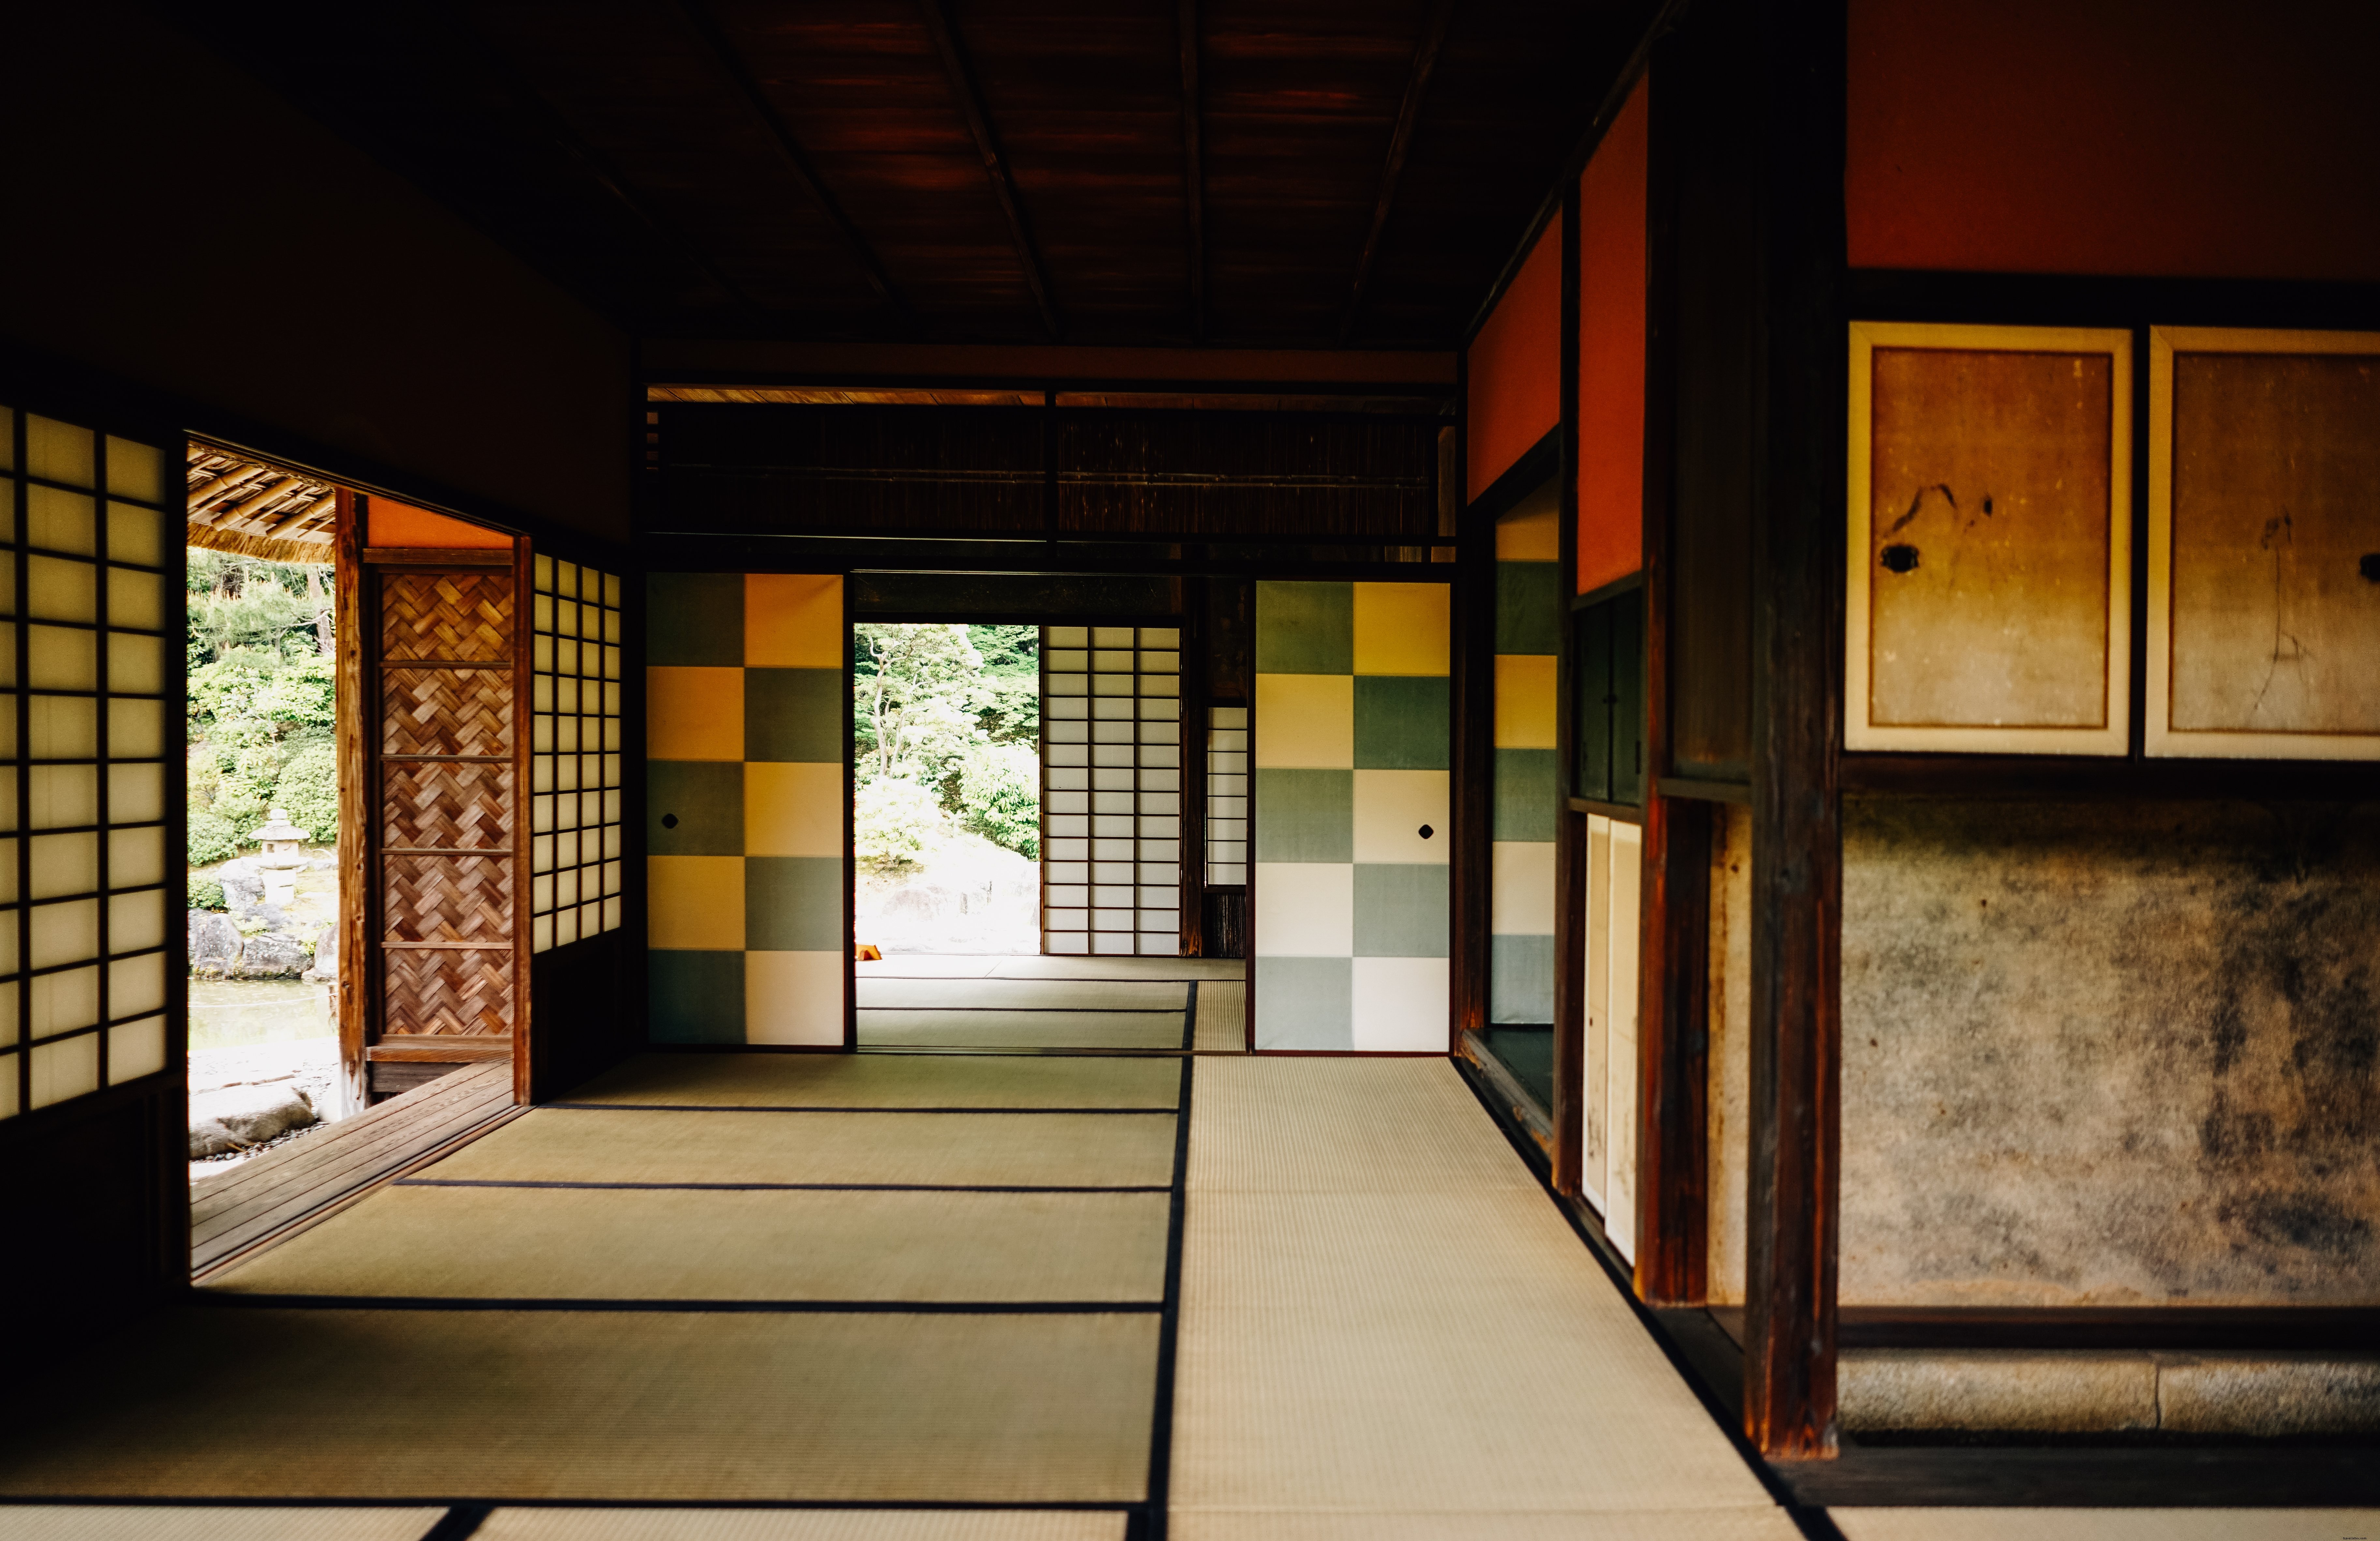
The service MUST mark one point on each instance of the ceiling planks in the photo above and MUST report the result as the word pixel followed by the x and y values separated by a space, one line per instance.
pixel 1253 173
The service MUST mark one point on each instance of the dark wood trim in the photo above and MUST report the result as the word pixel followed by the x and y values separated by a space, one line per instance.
pixel 1471 660
pixel 1618 813
pixel 1795 136
pixel 1424 61
pixel 2241 1474
pixel 1515 1103
pixel 1703 791
pixel 1613 589
pixel 523 1043
pixel 1673 1051
pixel 755 99
pixel 2035 777
pixel 1194 165
pixel 2343 1328
pixel 969 100
pixel 412 556
pixel 1568 1110
pixel 2062 299
pixel 439 1048
pixel 351 610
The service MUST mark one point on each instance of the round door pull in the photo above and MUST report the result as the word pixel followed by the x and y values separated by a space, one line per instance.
pixel 1426 831
pixel 669 821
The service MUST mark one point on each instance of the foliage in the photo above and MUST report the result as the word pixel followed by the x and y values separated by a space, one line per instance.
pixel 956 712
pixel 260 704
pixel 213 838
pixel 891 823
pixel 206 893
pixel 1000 796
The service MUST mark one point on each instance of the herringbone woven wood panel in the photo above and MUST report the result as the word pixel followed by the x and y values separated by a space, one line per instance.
pixel 446 711
pixel 449 898
pixel 447 992
pixel 446 616
pixel 448 806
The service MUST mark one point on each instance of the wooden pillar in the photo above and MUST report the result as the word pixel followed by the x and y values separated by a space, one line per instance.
pixel 1797 714
pixel 356 789
pixel 1472 811
pixel 1570 825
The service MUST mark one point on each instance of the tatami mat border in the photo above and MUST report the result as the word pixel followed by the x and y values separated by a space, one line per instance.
pixel 1169 1329
pixel 596 1305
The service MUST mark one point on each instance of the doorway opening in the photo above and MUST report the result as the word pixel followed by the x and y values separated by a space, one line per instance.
pixel 946 787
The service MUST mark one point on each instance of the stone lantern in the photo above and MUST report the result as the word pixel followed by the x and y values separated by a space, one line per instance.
pixel 282 860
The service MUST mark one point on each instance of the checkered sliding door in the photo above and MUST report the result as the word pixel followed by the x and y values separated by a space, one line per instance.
pixel 1112 790
pixel 1351 831
pixel 1529 785
pixel 747 789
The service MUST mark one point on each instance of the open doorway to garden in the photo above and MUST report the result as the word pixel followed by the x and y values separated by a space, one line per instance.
pixel 261 773
pixel 946 806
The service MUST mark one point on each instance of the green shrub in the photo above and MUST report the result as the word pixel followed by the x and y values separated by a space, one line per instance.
pixel 205 893
pixel 999 799
pixel 308 790
pixel 212 837
pixel 893 822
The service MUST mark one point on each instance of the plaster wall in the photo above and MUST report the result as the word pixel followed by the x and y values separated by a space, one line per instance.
pixel 2104 1055
pixel 1728 1136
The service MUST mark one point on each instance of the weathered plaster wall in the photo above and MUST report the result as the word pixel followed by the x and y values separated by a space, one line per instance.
pixel 1729 1118
pixel 2106 1055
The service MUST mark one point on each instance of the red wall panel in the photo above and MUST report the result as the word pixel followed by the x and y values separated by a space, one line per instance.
pixel 2185 137
pixel 1611 350
pixel 1514 396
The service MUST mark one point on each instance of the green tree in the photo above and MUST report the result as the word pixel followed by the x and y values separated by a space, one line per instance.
pixel 260 700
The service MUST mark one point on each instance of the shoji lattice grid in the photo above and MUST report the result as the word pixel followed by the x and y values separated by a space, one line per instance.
pixel 1227 796
pixel 1112 790
pixel 574 755
pixel 84 567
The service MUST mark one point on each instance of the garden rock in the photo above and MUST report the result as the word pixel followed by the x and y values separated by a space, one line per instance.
pixel 214 943
pixel 243 889
pixel 326 957
pixel 264 918
pixel 237 1117
pixel 272 955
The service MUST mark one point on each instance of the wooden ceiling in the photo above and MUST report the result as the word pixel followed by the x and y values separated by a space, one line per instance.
pixel 1253 172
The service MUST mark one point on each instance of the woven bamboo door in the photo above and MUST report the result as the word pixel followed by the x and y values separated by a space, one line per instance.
pixel 444 983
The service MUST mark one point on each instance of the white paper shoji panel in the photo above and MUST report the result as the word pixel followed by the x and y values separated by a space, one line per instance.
pixel 1112 790
pixel 574 798
pixel 1227 796
pixel 87 581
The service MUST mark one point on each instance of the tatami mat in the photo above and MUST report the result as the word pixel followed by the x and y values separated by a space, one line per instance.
pixel 724 1406
pixel 579 1243
pixel 211 1522
pixel 965 1029
pixel 1078 995
pixel 886 1081
pixel 795 1525
pixel 1326 1124
pixel 1223 1018
pixel 1768 1523
pixel 636 1144
pixel 1383 1314
pixel 2105 1524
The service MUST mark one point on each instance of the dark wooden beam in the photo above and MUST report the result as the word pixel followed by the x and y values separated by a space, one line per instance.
pixel 558 132
pixel 747 89
pixel 1793 137
pixel 1570 824
pixel 1194 166
pixel 987 143
pixel 1424 61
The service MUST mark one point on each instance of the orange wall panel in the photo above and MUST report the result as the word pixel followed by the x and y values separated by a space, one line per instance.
pixel 1611 349
pixel 1514 396
pixel 391 523
pixel 2199 139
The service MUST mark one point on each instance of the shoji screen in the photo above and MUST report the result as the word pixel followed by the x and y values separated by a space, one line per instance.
pixel 1608 1161
pixel 1227 796
pixel 575 742
pixel 89 560
pixel 1351 799
pixel 1528 786
pixel 1112 790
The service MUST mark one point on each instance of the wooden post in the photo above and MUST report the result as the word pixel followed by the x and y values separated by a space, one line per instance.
pixel 352 992
pixel 1569 826
pixel 524 648
pixel 1473 662
pixel 1797 717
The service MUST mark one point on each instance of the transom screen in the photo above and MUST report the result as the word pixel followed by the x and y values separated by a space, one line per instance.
pixel 574 755
pixel 84 672
pixel 1112 790
pixel 1227 796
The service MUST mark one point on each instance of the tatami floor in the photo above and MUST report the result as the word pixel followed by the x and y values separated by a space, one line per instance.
pixel 1050 1260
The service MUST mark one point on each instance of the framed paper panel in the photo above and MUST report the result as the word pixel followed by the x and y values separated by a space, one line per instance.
pixel 1987 602
pixel 2264 570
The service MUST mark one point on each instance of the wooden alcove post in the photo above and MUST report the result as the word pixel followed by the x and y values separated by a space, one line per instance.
pixel 1797 519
